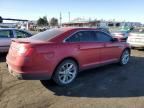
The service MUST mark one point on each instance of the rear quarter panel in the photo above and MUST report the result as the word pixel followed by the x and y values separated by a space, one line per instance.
pixel 52 55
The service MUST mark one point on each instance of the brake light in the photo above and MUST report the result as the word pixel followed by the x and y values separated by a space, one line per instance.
pixel 22 50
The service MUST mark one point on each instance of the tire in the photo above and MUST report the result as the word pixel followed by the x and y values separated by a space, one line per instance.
pixel 66 72
pixel 124 59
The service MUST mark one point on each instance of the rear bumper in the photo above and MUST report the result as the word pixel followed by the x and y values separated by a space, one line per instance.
pixel 28 76
pixel 27 69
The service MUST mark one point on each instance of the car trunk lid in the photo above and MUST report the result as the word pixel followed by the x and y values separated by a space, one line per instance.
pixel 136 37
pixel 25 46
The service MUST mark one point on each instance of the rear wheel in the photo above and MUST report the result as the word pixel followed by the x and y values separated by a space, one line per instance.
pixel 66 72
pixel 125 57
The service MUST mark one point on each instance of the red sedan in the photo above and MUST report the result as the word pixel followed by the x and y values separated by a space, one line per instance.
pixel 60 53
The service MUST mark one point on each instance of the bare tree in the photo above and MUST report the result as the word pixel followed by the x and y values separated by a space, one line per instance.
pixel 54 22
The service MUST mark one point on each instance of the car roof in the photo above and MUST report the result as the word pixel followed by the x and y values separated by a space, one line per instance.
pixel 65 29
pixel 15 29
pixel 62 28
pixel 9 29
pixel 76 28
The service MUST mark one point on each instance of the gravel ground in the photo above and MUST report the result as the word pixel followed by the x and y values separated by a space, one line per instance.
pixel 111 86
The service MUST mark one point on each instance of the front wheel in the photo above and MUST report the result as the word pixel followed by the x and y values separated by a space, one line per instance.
pixel 125 57
pixel 66 72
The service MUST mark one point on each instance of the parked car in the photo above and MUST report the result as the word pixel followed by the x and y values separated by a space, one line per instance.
pixel 6 34
pixel 60 53
pixel 121 35
pixel 106 30
pixel 136 39
pixel 41 29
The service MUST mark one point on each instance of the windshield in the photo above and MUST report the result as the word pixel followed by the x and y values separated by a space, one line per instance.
pixel 48 34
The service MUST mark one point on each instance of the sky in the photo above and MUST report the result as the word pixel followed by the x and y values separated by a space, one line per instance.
pixel 120 10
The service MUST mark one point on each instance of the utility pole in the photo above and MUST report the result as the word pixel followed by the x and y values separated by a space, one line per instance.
pixel 60 19
pixel 69 16
pixel 1 19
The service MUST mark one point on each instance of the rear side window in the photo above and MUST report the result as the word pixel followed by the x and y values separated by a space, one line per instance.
pixel 102 37
pixel 48 34
pixel 87 36
pixel 82 36
pixel 6 34
pixel 21 34
pixel 74 38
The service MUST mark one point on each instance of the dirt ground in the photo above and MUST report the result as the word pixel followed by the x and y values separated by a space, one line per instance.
pixel 111 86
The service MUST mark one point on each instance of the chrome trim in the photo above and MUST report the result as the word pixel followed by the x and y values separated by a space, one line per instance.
pixel 64 41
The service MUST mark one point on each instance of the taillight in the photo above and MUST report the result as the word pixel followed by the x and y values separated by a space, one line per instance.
pixel 23 50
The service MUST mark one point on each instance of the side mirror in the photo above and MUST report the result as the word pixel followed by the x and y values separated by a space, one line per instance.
pixel 114 40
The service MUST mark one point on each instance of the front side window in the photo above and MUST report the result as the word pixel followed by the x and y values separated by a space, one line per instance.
pixel 87 36
pixel 6 34
pixel 102 37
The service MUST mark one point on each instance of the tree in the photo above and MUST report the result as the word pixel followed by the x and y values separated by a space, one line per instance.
pixel 54 22
pixel 45 20
pixel 42 21
pixel 1 20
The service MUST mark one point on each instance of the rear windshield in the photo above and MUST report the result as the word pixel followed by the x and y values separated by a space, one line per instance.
pixel 48 34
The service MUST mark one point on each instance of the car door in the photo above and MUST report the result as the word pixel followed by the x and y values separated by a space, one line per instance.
pixel 111 50
pixel 5 40
pixel 88 53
